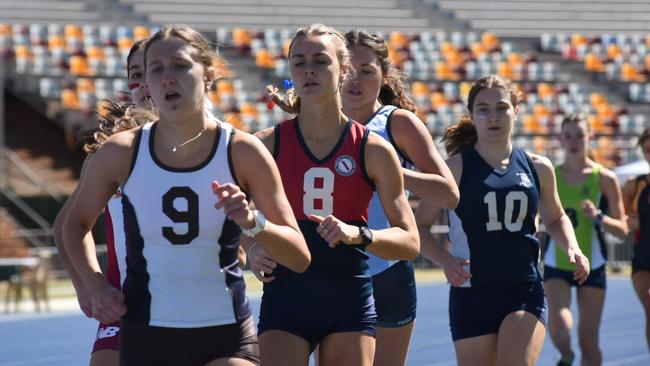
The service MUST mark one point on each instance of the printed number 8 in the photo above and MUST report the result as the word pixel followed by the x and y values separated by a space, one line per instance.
pixel 318 193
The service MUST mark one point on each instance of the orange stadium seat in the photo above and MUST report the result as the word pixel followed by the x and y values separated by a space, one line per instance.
pixel 225 87
pixel 140 32
pixel 545 90
pixel 419 89
pixel 490 41
pixel 578 40
pixel 72 31
pixel 613 51
pixel 398 40
pixel 5 30
pixel 85 85
pixel 56 41
pixel 69 99
pixel 478 49
pixel 506 70
pixel 630 73
pixel 264 59
pixel 22 52
pixel 438 99
pixel 248 110
pixel 242 39
pixel 593 63
pixel 463 90
pixel 124 44
pixel 79 66
pixel 95 53
pixel 530 123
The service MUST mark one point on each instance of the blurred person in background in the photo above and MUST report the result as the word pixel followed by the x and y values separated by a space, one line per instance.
pixel 636 197
pixel 584 187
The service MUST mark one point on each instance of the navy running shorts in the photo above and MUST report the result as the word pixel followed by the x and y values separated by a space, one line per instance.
pixel 477 311
pixel 313 319
pixel 597 277
pixel 395 295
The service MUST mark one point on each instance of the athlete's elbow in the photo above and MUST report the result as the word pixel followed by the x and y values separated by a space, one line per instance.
pixel 451 200
pixel 305 261
pixel 455 198
pixel 300 262
pixel 413 249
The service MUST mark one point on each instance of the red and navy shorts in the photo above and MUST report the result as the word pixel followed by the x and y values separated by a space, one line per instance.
pixel 108 337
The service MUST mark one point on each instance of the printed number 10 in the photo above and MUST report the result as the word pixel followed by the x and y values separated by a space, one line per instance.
pixel 493 224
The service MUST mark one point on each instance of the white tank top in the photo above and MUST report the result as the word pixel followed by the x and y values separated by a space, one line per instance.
pixel 181 253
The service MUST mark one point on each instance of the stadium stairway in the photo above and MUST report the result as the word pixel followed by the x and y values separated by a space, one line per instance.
pixel 41 171
pixel 43 146
pixel 11 243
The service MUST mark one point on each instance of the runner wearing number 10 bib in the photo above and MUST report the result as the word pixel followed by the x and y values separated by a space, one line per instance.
pixel 494 251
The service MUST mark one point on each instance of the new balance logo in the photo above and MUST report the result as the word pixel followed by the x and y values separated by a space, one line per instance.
pixel 107 332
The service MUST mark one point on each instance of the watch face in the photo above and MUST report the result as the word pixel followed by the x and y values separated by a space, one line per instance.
pixel 366 234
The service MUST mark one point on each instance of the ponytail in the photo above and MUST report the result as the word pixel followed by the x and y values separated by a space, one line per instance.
pixel 459 136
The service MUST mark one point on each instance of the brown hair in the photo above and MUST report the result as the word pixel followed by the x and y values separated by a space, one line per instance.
pixel 139 45
pixel 113 117
pixel 394 88
pixel 463 133
pixel 208 55
pixel 575 118
pixel 289 102
pixel 643 137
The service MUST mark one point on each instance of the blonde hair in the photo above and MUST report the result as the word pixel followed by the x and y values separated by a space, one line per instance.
pixel 463 133
pixel 288 101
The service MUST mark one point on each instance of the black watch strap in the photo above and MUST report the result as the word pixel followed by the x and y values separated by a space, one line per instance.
pixel 366 236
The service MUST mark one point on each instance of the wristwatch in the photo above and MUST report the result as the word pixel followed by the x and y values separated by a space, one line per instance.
pixel 599 218
pixel 260 223
pixel 366 236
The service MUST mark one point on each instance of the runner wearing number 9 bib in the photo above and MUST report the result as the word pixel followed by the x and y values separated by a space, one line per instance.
pixel 494 251
pixel 330 166
pixel 183 299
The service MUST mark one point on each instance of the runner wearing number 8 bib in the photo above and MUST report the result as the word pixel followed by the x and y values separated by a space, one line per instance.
pixel 494 251
pixel 330 166
pixel 183 299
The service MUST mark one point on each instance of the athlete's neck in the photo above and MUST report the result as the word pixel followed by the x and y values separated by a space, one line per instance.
pixel 177 132
pixel 362 113
pixel 497 155
pixel 321 121
pixel 576 162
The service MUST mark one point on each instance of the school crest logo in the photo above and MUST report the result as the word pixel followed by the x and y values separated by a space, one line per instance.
pixel 345 165
pixel 525 181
